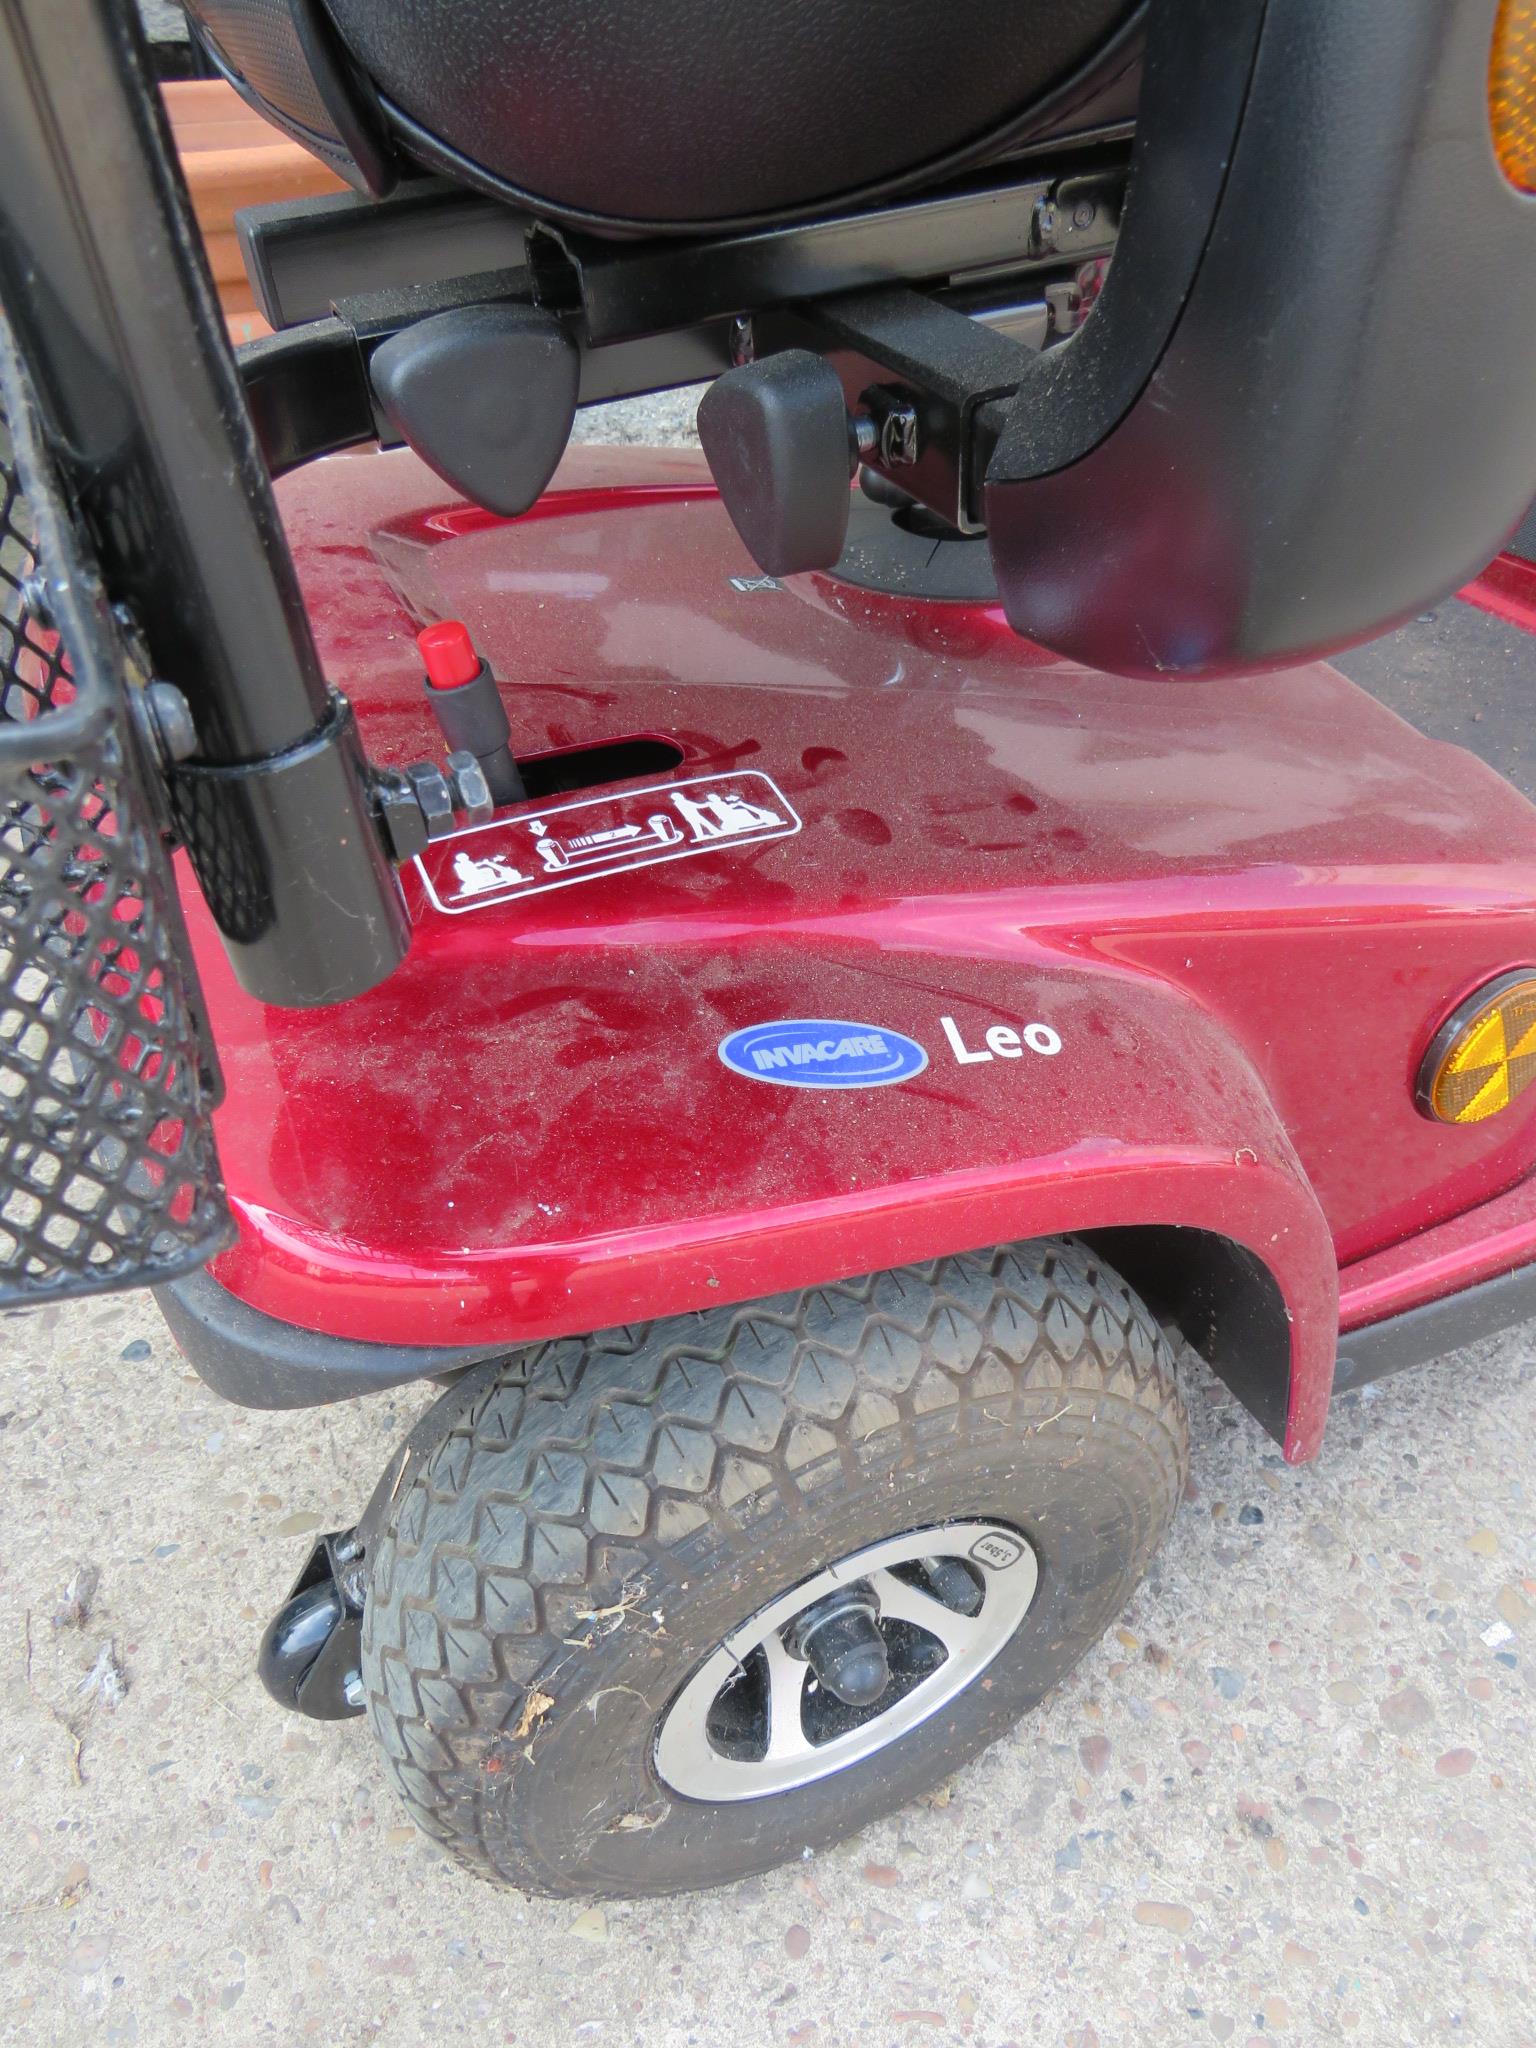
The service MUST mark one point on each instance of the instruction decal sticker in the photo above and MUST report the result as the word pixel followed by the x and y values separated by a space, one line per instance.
pixel 552 846
pixel 822 1052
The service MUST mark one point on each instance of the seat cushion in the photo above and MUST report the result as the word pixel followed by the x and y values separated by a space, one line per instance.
pixel 668 112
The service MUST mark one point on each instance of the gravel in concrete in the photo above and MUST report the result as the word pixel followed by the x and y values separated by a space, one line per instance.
pixel 1288 1797
pixel 664 420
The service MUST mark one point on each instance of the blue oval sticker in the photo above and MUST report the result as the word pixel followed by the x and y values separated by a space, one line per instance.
pixel 822 1052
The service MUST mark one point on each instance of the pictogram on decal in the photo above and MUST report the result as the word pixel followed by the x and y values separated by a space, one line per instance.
pixel 557 844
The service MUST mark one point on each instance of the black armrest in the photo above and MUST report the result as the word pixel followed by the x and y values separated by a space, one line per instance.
pixel 1306 403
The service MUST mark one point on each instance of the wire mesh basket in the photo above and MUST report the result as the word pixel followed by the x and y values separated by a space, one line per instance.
pixel 108 1172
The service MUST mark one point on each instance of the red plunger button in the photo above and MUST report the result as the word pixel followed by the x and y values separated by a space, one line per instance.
pixel 449 654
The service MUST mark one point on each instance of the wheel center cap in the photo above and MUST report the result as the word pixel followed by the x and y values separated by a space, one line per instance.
pixel 847 1662
pixel 839 1637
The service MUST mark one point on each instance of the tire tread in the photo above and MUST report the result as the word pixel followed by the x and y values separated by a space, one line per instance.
pixel 580 1459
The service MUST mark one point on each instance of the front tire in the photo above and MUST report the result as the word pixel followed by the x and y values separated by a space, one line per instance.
pixel 601 1514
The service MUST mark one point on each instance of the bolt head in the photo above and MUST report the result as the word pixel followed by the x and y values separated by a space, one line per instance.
pixel 898 437
pixel 471 791
pixel 172 718
pixel 430 788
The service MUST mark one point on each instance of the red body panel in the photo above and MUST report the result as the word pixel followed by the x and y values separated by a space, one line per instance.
pixel 1507 587
pixel 1496 1237
pixel 1243 906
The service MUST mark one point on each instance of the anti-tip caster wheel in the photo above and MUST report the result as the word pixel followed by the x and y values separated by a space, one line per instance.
pixel 666 1606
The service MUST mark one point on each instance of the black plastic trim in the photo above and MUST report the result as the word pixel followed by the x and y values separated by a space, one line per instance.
pixel 1224 1300
pixel 262 836
pixel 1312 451
pixel 308 394
pixel 1199 65
pixel 259 1362
pixel 361 149
pixel 1421 1334
pixel 327 148
pixel 347 96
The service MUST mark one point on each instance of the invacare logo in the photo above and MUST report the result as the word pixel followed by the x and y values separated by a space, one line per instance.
pixel 822 1052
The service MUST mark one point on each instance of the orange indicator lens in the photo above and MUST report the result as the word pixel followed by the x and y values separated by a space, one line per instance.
pixel 1483 1057
pixel 1512 92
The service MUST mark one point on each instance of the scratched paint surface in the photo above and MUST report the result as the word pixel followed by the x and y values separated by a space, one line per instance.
pixel 1242 906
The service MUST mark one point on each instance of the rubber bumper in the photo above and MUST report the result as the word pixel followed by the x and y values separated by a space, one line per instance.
pixel 258 1362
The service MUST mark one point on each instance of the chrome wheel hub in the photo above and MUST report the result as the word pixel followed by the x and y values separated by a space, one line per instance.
pixel 756 1719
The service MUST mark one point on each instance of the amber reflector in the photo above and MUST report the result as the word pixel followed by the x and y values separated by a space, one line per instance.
pixel 1512 92
pixel 1484 1054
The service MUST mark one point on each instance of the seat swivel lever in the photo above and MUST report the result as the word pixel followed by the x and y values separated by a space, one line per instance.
pixel 486 396
pixel 782 446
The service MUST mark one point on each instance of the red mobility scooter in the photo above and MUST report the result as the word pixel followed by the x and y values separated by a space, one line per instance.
pixel 790 981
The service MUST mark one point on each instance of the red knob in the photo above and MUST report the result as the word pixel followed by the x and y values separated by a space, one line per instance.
pixel 449 654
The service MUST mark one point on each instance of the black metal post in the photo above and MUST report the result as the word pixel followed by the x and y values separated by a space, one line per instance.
pixel 103 281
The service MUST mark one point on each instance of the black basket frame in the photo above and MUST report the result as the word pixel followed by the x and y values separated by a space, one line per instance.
pixel 109 1174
